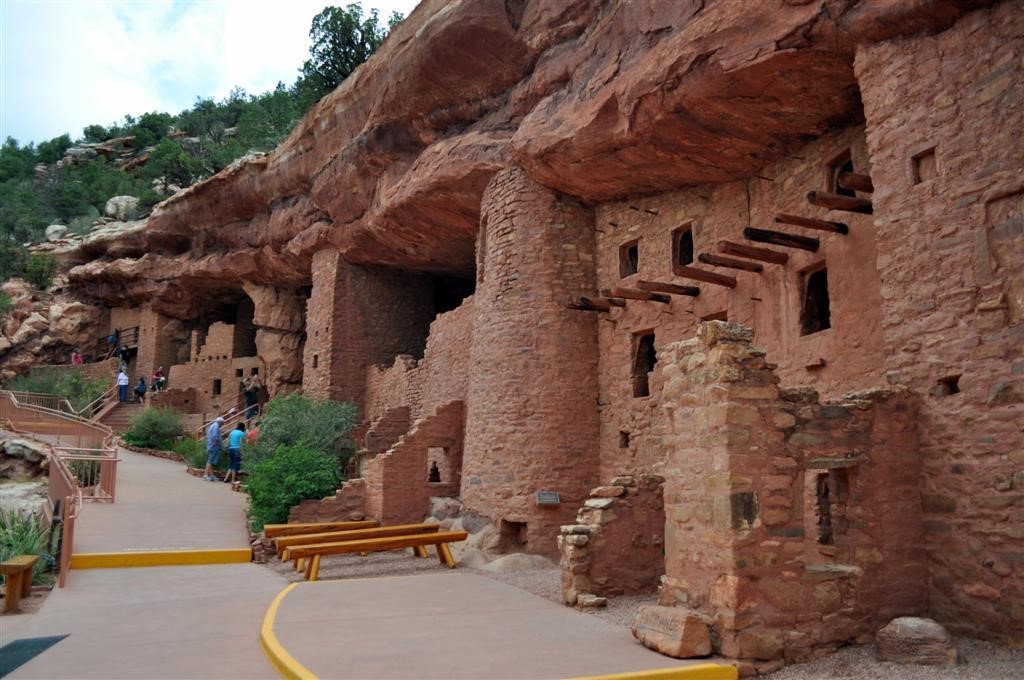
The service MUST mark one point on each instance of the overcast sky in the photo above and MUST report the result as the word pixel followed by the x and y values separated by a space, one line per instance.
pixel 65 64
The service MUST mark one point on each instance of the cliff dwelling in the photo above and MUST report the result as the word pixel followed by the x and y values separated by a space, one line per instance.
pixel 741 284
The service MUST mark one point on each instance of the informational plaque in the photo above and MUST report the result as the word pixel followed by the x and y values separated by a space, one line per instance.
pixel 548 498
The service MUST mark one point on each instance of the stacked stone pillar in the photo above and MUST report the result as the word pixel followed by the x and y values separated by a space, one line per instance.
pixel 532 421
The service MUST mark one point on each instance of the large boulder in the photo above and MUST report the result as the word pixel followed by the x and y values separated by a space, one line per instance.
pixel 23 459
pixel 121 208
pixel 673 631
pixel 910 639
pixel 56 232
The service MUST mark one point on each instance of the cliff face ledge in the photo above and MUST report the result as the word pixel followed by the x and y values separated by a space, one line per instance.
pixel 598 100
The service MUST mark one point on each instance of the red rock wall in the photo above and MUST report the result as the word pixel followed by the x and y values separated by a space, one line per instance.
pixel 951 257
pixel 746 540
pixel 769 302
pixel 531 423
pixel 397 490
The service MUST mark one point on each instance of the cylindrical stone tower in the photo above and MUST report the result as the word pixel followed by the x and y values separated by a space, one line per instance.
pixel 532 422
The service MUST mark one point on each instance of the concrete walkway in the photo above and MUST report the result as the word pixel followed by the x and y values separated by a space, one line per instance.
pixel 160 507
pixel 449 625
pixel 156 622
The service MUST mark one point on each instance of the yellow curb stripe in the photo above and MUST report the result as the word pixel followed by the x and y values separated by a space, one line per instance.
pixel 159 558
pixel 704 671
pixel 283 662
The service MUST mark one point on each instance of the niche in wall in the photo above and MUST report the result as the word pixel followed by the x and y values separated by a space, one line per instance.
pixel 815 311
pixel 682 245
pixel 837 166
pixel 645 358
pixel 629 258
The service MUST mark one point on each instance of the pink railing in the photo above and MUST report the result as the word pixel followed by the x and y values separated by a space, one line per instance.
pixel 231 417
pixel 83 465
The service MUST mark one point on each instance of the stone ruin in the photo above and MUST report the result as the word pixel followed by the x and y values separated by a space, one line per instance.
pixel 722 299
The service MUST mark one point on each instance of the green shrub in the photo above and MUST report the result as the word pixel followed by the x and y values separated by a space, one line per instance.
pixel 26 534
pixel 5 305
pixel 40 269
pixel 322 424
pixel 194 453
pixel 72 385
pixel 293 474
pixel 154 428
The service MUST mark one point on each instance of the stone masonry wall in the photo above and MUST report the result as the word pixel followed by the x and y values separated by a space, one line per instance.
pixel 203 375
pixel 944 118
pixel 796 526
pixel 616 546
pixel 360 316
pixel 397 490
pixel 847 356
pixel 531 422
pixel 348 505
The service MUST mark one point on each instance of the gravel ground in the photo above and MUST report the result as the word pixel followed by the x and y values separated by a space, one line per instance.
pixel 982 660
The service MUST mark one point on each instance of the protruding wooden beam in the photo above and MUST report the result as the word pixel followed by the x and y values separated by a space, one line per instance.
pixel 824 199
pixel 719 261
pixel 703 275
pixel 595 304
pixel 752 252
pixel 811 223
pixel 778 238
pixel 636 294
pixel 670 288
pixel 856 181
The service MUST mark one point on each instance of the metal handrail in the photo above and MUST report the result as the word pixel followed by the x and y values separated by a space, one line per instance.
pixel 231 417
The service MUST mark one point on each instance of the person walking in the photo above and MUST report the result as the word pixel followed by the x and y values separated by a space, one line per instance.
pixel 213 445
pixel 76 357
pixel 235 452
pixel 158 379
pixel 122 386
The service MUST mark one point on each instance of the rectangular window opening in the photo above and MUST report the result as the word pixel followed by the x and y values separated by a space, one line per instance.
pixel 947 386
pixel 629 258
pixel 924 167
pixel 815 314
pixel 239 372
pixel 513 534
pixel 645 358
pixel 682 245
pixel 831 492
pixel 254 371
pixel 216 387
pixel 623 439
pixel 840 164
pixel 316 360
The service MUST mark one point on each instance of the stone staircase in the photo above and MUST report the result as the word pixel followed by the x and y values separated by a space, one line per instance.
pixel 119 417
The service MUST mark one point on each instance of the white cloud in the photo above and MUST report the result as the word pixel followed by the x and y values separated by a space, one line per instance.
pixel 67 64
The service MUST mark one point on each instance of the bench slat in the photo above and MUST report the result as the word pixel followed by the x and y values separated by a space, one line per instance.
pixel 275 530
pixel 374 544
pixel 354 535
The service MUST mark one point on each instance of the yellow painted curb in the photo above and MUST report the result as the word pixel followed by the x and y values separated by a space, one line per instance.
pixel 704 671
pixel 280 659
pixel 159 558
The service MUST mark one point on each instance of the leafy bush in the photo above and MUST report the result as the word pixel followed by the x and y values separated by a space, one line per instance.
pixel 5 305
pixel 194 453
pixel 26 534
pixel 72 385
pixel 293 474
pixel 40 268
pixel 155 428
pixel 323 425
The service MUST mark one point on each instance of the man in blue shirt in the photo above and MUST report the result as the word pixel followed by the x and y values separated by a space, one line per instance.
pixel 235 439
pixel 213 445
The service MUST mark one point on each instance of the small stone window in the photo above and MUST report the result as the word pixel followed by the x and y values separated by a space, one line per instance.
pixel 629 258
pixel 840 164
pixel 682 245
pixel 947 386
pixel 814 311
pixel 830 493
pixel 255 371
pixel 239 372
pixel 623 439
pixel 216 387
pixel 645 357
pixel 923 166
pixel 434 473
pixel 513 534
pixel 316 360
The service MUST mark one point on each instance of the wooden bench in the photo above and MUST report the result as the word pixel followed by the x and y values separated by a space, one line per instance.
pixel 18 571
pixel 275 530
pixel 354 535
pixel 312 553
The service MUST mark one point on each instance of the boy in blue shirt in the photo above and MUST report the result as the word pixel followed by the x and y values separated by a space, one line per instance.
pixel 235 439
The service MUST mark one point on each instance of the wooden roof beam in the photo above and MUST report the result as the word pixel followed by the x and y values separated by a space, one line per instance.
pixel 719 261
pixel 752 252
pixel 670 288
pixel 636 294
pixel 704 275
pixel 778 238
